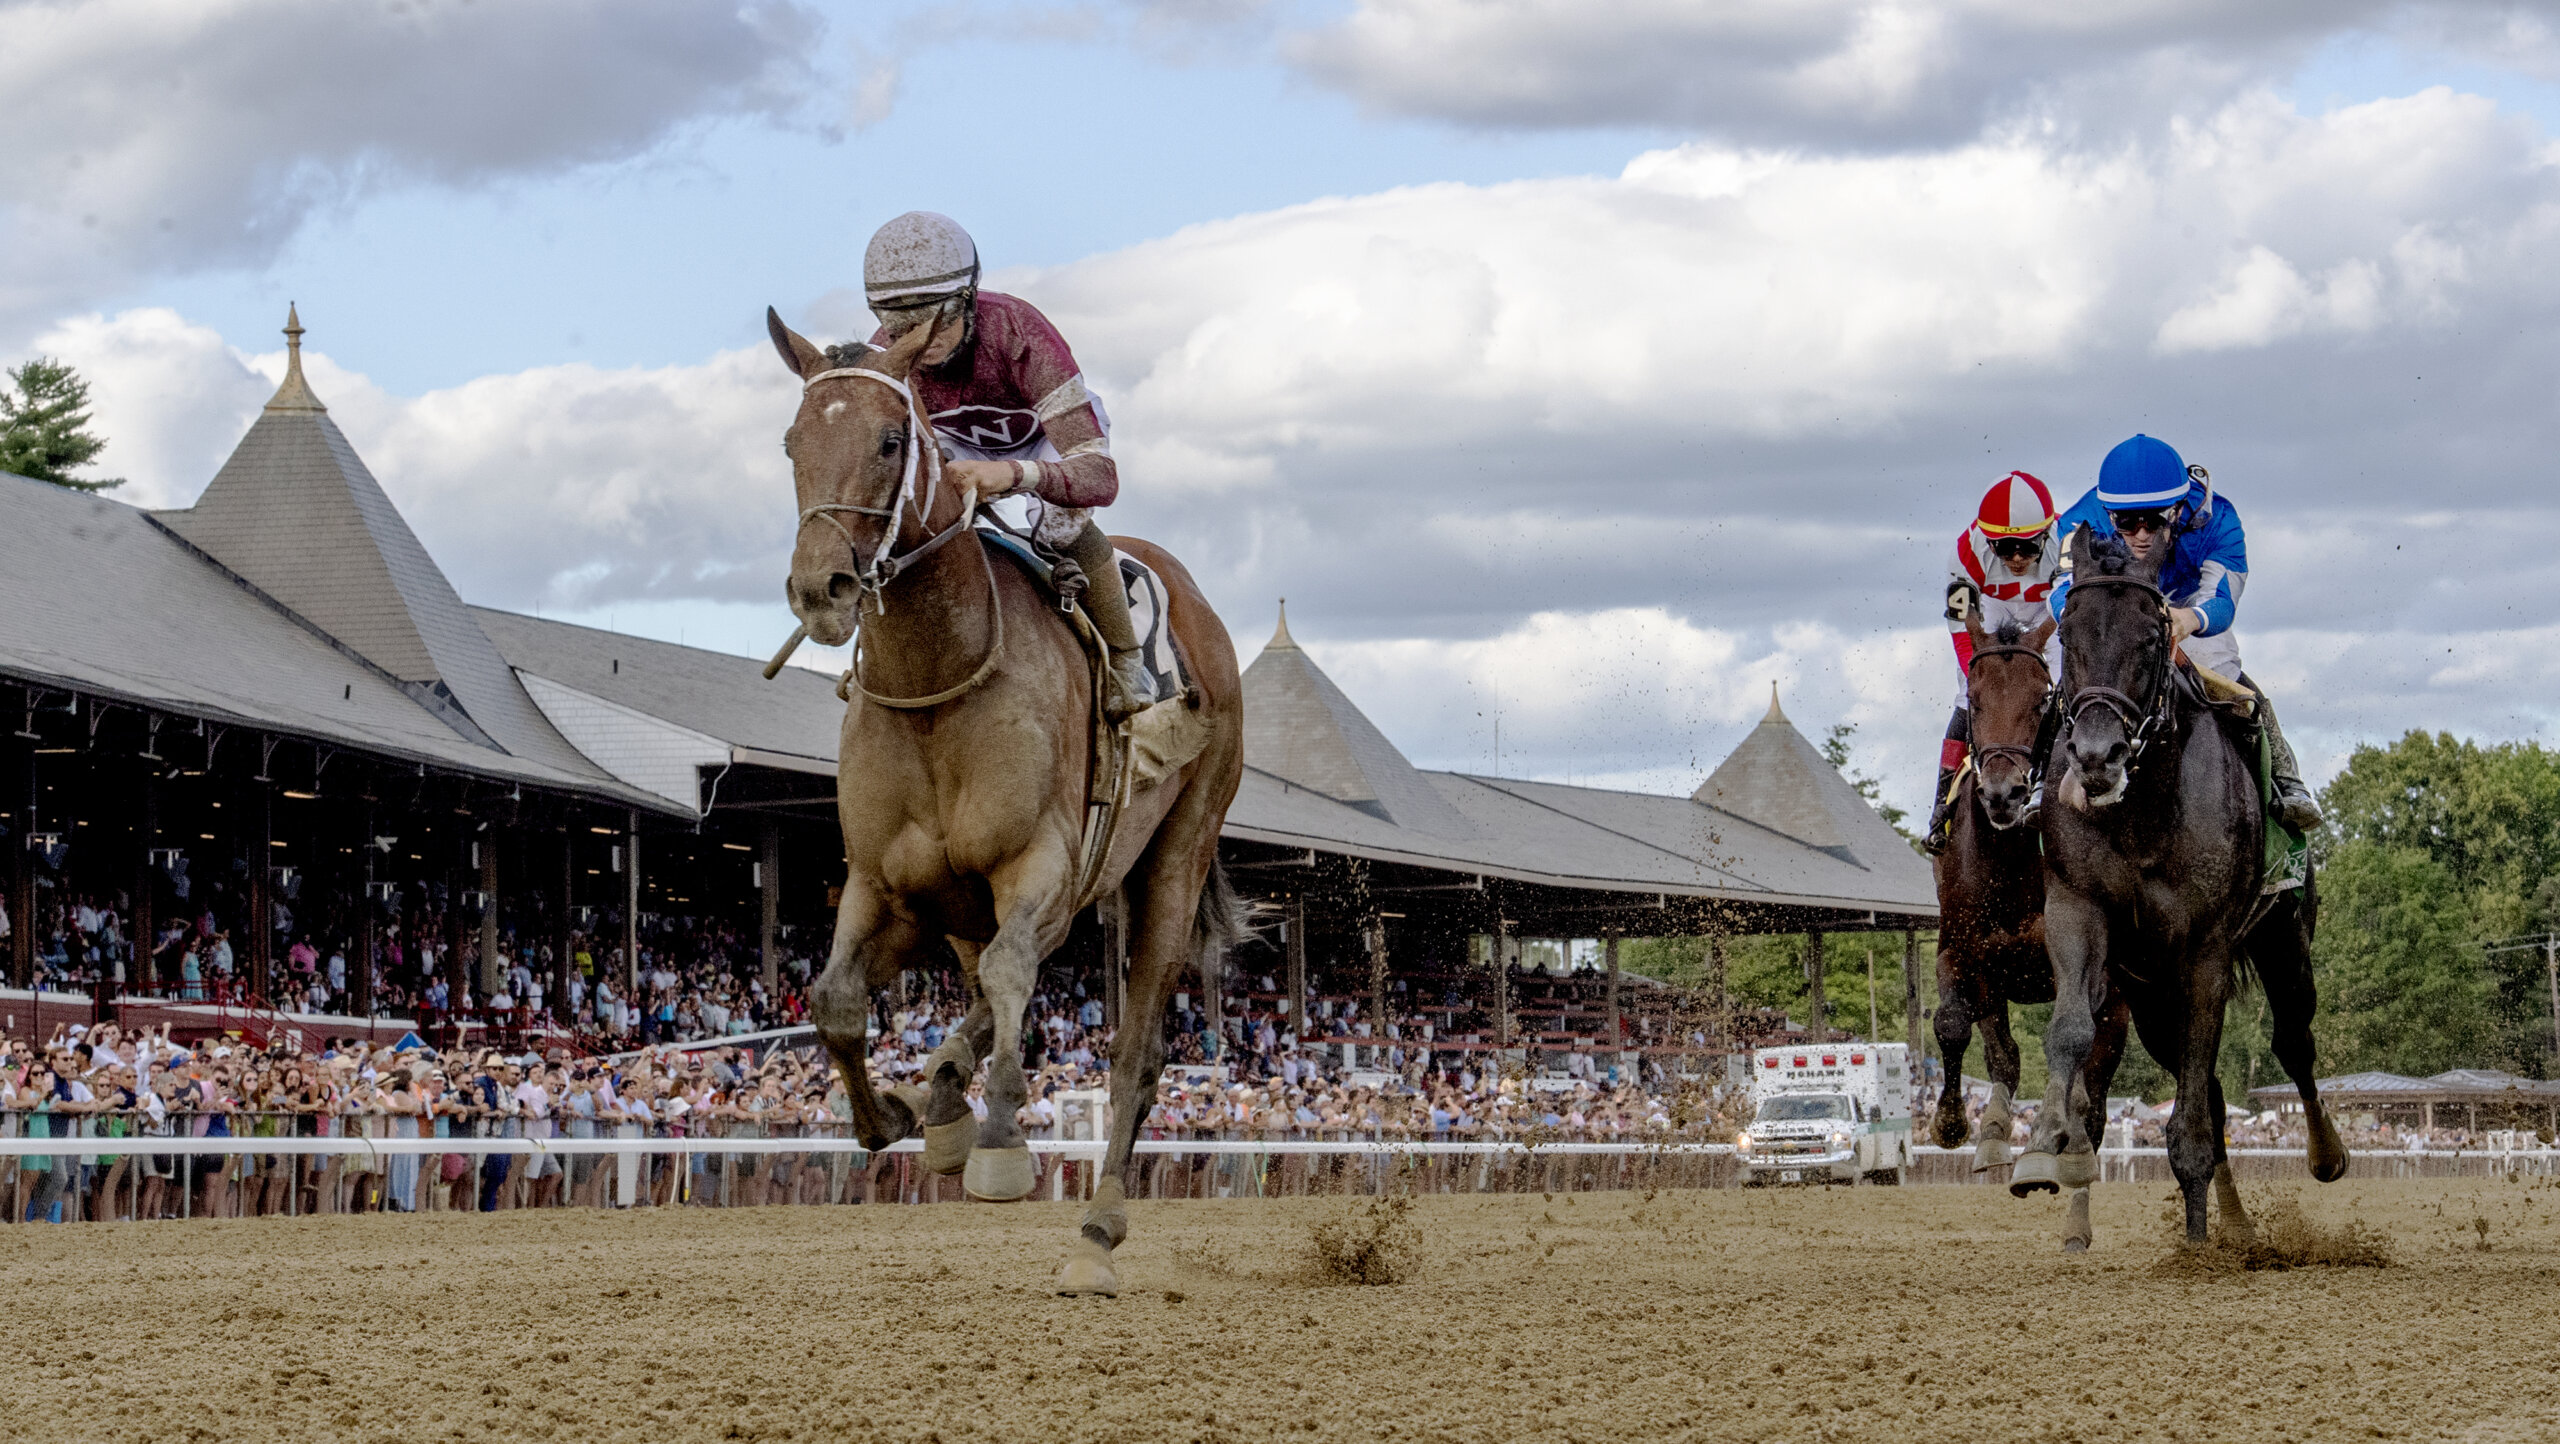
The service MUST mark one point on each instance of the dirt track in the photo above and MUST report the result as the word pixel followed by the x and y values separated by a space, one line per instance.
pixel 1724 1315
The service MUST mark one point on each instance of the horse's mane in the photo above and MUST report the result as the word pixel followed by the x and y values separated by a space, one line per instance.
pixel 2008 634
pixel 850 353
pixel 2109 555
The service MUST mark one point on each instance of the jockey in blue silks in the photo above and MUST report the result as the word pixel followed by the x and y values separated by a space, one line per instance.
pixel 2147 494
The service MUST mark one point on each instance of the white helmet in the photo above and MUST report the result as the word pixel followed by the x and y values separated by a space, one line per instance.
pixel 917 257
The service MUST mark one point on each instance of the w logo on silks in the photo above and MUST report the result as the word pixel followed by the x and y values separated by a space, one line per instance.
pixel 988 428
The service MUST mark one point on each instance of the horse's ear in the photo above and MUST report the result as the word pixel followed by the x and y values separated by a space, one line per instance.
pixel 2075 548
pixel 1973 626
pixel 2041 635
pixel 798 351
pixel 900 359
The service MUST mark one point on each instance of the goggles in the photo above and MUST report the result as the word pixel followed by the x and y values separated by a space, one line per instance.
pixel 2147 519
pixel 2017 548
pixel 898 320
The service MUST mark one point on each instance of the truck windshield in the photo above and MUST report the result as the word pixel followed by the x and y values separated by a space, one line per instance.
pixel 1802 1107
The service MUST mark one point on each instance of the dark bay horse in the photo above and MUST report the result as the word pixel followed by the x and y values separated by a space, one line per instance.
pixel 963 781
pixel 2153 868
pixel 1991 949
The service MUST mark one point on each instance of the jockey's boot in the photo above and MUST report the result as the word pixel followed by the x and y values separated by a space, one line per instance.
pixel 2047 727
pixel 1125 690
pixel 2294 802
pixel 1942 802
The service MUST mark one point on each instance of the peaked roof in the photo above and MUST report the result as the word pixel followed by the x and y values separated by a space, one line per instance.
pixel 1300 728
pixel 295 514
pixel 1777 779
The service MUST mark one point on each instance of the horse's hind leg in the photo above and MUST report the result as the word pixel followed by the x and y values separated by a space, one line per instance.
pixel 2195 1125
pixel 2226 1190
pixel 2280 949
pixel 1030 895
pixel 2000 1058
pixel 2106 1051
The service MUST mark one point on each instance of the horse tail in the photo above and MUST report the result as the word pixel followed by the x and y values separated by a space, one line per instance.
pixel 1224 921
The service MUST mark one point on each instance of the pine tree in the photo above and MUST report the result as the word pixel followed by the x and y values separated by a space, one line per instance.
pixel 44 426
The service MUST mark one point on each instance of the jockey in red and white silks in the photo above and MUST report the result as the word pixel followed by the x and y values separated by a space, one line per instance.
pixel 2003 574
pixel 1010 406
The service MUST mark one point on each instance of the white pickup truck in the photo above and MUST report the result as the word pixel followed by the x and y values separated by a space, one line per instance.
pixel 1838 1113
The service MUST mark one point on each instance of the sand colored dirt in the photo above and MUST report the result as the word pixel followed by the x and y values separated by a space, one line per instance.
pixel 1796 1316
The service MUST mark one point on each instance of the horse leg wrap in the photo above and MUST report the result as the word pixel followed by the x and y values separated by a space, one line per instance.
pixel 1106 1219
pixel 2076 1234
pixel 1991 1150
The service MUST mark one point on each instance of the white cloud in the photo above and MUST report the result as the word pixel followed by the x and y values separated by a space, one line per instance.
pixel 1706 423
pixel 146 138
pixel 1877 73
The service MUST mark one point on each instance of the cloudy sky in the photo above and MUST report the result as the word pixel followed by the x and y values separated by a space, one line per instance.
pixel 1576 371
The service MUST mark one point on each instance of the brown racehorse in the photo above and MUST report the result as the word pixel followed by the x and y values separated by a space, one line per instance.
pixel 1991 904
pixel 962 786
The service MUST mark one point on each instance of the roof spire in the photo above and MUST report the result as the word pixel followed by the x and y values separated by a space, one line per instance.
pixel 1280 635
pixel 1774 715
pixel 295 393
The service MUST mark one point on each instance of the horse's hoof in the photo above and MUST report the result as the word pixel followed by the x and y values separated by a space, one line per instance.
pixel 2075 1245
pixel 2036 1173
pixel 999 1175
pixel 947 1145
pixel 1088 1271
pixel 1991 1153
pixel 2328 1157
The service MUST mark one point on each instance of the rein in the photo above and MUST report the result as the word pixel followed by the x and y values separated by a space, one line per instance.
pixel 2142 722
pixel 873 575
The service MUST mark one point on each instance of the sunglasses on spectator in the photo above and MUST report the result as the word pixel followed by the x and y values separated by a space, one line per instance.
pixel 2141 521
pixel 2016 548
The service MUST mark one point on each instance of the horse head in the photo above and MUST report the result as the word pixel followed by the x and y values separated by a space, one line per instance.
pixel 857 447
pixel 2008 684
pixel 2115 662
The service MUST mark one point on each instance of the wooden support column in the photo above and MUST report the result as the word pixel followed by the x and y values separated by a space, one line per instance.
pixel 631 906
pixel 769 872
pixel 1374 933
pixel 565 929
pixel 457 980
pixel 369 949
pixel 1293 936
pixel 22 874
pixel 1213 1002
pixel 1617 1032
pixel 261 920
pixel 1502 956
pixel 1819 1024
pixel 143 975
pixel 491 975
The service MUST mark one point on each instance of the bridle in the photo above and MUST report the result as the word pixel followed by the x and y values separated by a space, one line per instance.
pixel 2142 722
pixel 1981 752
pixel 872 575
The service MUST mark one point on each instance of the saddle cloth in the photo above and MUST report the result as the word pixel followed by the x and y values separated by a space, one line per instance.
pixel 2288 853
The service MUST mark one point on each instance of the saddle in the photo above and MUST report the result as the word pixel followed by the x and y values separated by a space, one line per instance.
pixel 1144 750
pixel 2235 704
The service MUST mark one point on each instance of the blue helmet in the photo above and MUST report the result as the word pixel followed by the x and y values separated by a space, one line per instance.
pixel 2142 471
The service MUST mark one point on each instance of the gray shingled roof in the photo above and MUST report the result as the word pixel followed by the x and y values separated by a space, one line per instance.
pixel 1300 728
pixel 797 715
pixel 95 597
pixel 1553 833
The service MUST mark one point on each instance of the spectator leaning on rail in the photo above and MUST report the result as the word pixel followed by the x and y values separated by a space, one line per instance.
pixel 2147 494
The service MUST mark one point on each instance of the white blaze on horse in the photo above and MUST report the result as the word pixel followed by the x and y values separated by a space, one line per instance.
pixel 965 778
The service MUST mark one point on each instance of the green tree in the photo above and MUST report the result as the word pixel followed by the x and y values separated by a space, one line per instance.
pixel 44 426
pixel 2402 987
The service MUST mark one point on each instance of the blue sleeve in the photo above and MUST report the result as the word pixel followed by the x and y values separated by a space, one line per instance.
pixel 2086 509
pixel 2220 551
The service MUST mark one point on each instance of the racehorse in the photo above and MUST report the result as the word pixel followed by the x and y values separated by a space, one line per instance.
pixel 2154 864
pixel 963 779
pixel 1991 902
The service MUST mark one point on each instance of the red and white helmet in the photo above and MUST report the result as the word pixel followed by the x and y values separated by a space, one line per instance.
pixel 2016 505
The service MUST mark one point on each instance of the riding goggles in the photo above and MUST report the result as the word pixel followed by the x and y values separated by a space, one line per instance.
pixel 896 321
pixel 2017 548
pixel 2147 519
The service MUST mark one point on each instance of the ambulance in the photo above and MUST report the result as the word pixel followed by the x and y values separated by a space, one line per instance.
pixel 1836 1113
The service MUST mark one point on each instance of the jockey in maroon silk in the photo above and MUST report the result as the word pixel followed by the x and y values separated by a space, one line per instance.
pixel 1009 404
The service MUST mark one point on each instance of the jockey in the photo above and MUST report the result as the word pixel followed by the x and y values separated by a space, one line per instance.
pixel 2003 569
pixel 1009 404
pixel 2147 494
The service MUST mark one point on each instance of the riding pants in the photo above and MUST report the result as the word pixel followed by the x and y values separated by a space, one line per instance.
pixel 1105 599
